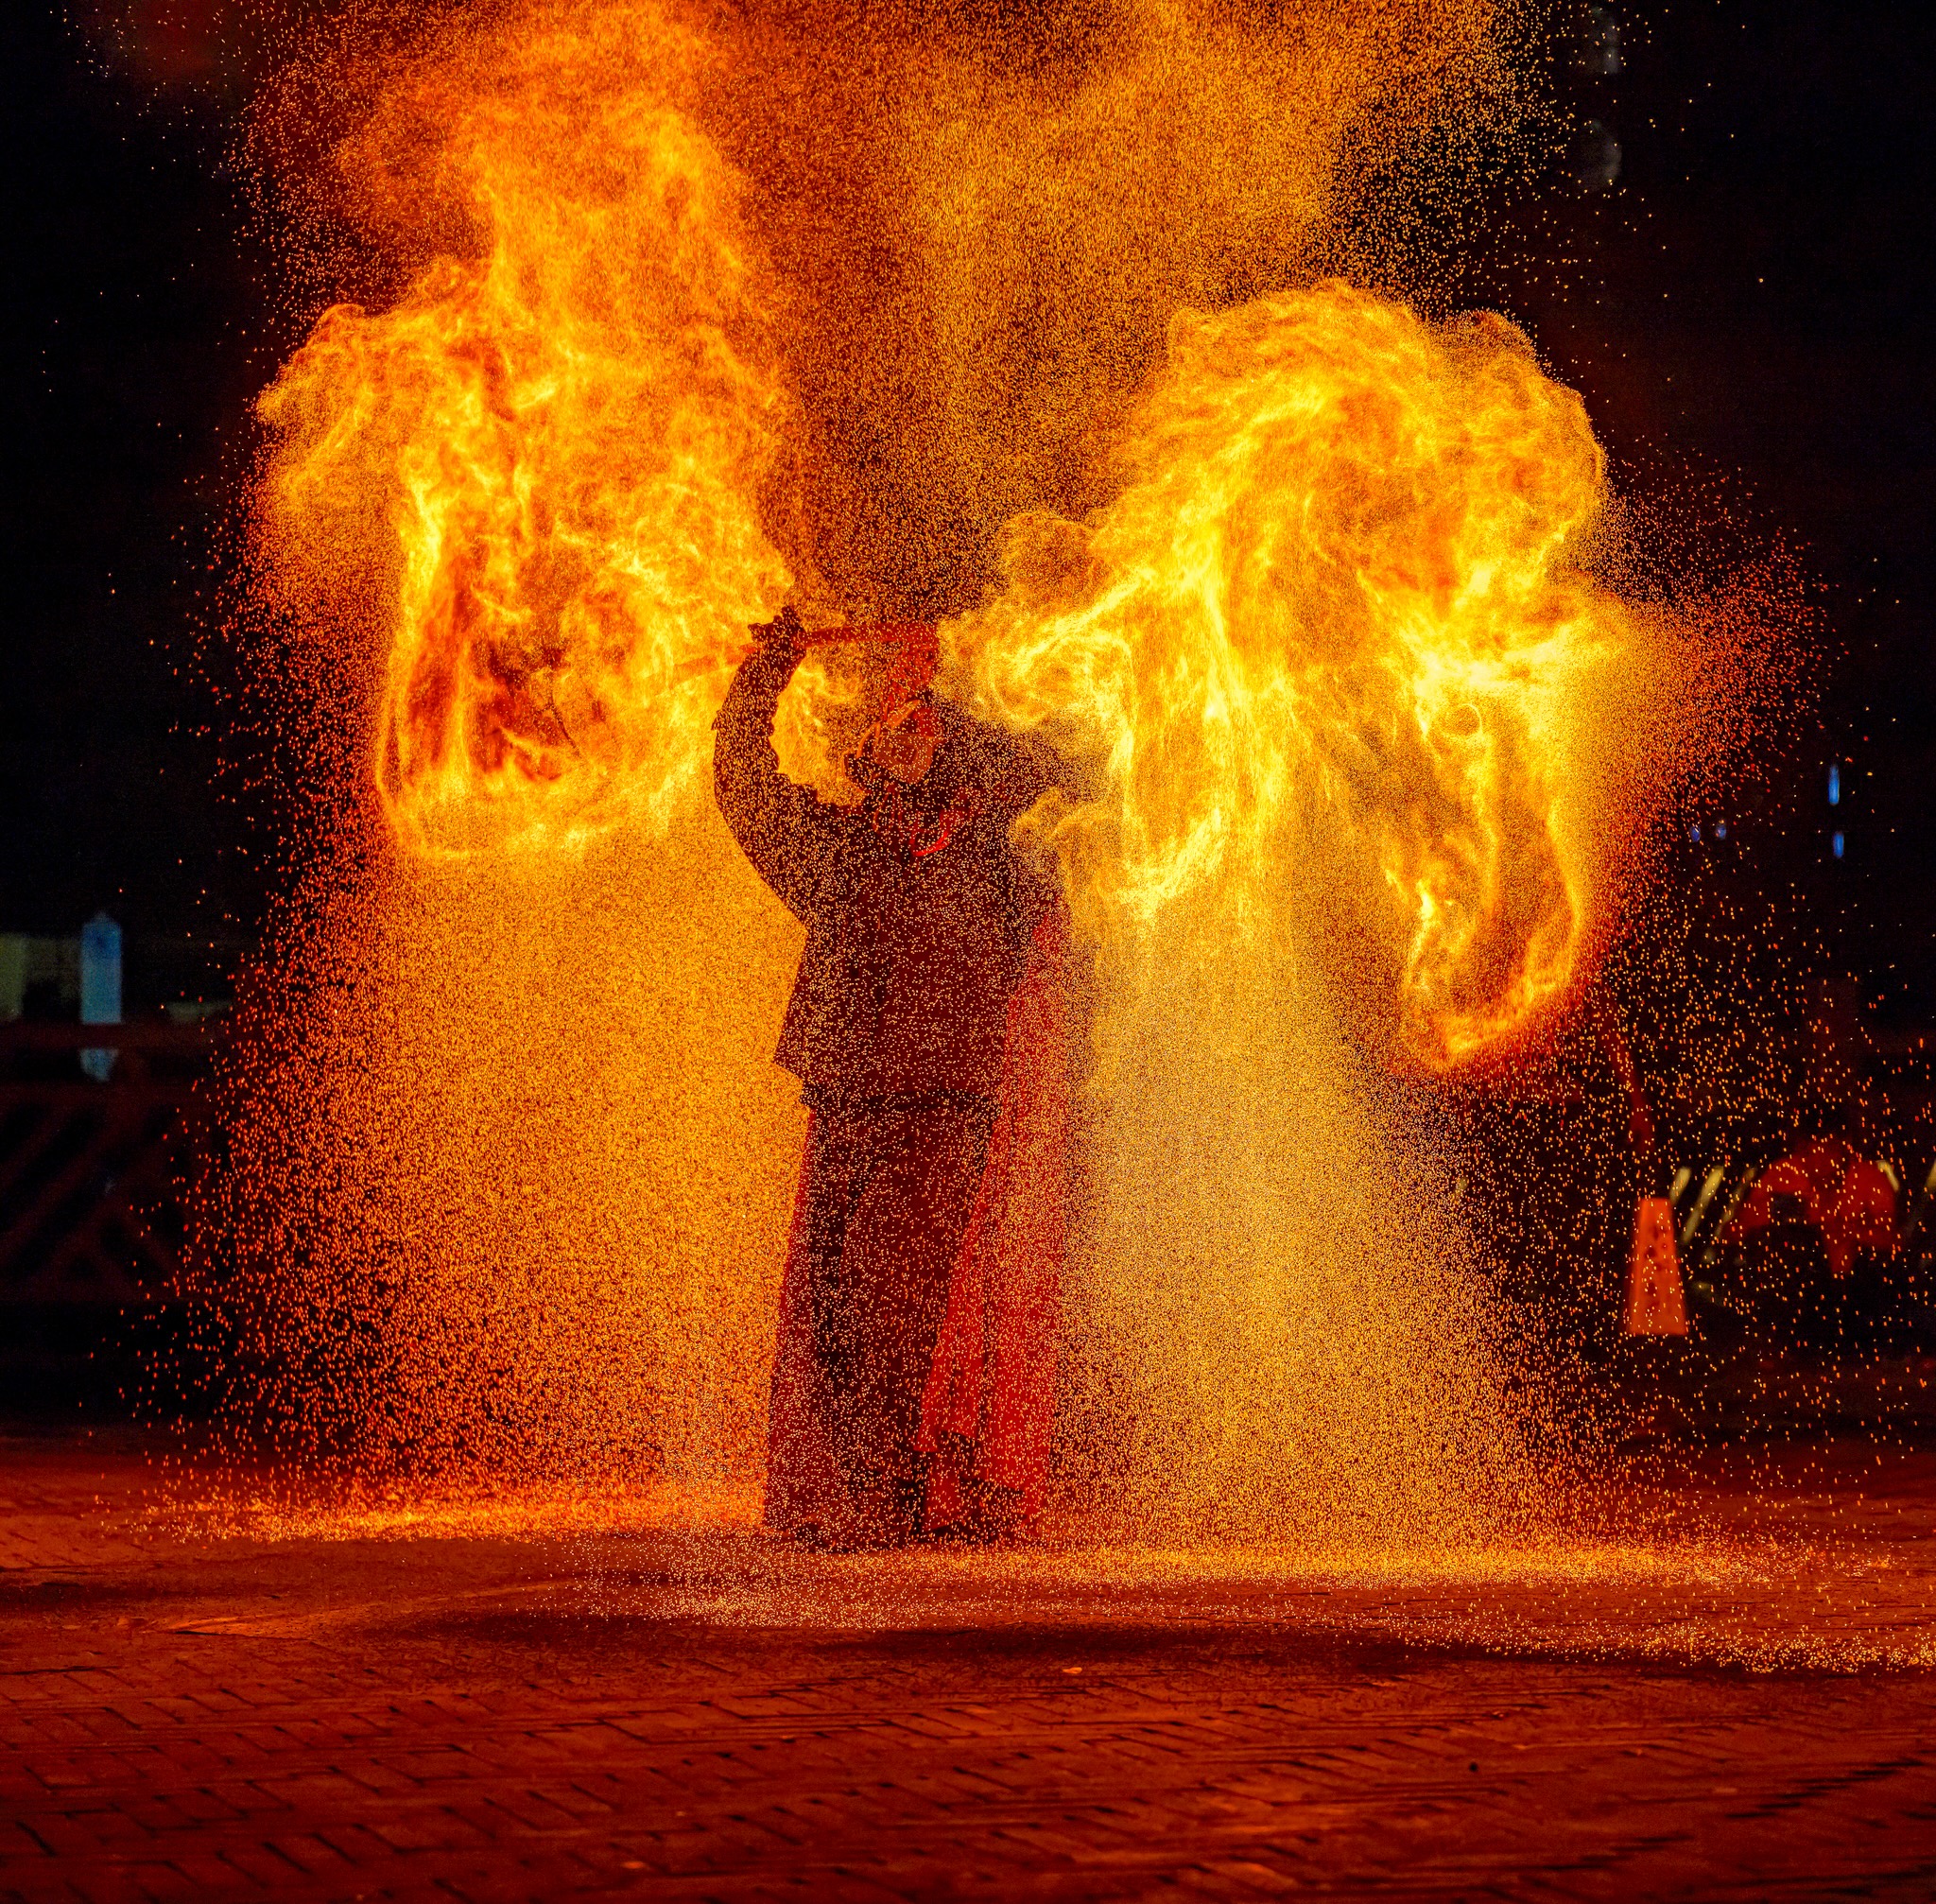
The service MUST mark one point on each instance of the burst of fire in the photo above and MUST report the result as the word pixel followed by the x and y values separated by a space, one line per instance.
pixel 1331 629
pixel 567 430
pixel 1331 633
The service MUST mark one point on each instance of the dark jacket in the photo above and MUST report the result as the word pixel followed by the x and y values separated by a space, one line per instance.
pixel 911 955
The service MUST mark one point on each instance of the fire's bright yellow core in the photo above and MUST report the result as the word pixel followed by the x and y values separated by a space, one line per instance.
pixel 1332 632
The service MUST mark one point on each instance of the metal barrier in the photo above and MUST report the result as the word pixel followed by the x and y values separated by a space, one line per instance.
pixel 91 1175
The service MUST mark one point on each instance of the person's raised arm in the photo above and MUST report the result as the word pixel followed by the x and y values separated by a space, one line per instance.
pixel 780 826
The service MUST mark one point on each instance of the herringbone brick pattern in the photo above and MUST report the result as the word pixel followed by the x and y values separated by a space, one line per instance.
pixel 491 1719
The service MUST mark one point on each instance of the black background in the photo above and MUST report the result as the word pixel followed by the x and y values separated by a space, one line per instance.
pixel 1745 314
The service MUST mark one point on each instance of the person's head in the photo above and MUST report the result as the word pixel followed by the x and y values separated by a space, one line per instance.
pixel 902 743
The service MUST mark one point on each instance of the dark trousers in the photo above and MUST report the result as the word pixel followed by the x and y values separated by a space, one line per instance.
pixel 889 1189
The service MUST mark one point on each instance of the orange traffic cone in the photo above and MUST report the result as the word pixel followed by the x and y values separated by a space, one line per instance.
pixel 1655 1305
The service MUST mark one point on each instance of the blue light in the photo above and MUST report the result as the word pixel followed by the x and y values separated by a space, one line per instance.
pixel 1835 782
pixel 1721 829
pixel 1835 845
pixel 100 989
pixel 1694 834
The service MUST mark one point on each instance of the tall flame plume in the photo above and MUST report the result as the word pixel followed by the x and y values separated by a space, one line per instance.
pixel 1330 637
pixel 567 432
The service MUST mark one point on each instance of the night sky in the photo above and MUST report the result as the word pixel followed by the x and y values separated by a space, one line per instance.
pixel 1746 314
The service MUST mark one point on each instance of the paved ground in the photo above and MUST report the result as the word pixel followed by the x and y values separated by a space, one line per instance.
pixel 1747 1716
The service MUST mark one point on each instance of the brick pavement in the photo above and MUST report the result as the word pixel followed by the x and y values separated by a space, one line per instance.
pixel 692 1716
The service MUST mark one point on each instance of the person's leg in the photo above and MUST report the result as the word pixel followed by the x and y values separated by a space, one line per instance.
pixel 813 1376
pixel 839 1162
pixel 899 1250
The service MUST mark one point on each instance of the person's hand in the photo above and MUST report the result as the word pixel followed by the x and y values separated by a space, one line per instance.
pixel 785 630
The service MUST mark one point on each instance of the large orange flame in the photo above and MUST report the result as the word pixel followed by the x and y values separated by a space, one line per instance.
pixel 567 431
pixel 1334 625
